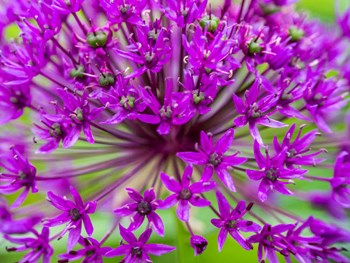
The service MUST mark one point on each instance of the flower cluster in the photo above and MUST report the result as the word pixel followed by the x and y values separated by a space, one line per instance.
pixel 234 110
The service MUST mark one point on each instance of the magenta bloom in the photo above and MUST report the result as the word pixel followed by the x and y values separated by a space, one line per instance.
pixel 137 250
pixel 297 150
pixel 255 111
pixel 185 194
pixel 232 222
pixel 91 253
pixel 270 241
pixel 39 246
pixel 21 174
pixel 272 169
pixel 143 207
pixel 341 180
pixel 199 244
pixel 13 100
pixel 213 157
pixel 75 213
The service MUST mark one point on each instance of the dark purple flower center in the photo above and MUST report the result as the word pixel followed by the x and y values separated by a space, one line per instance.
pixel 201 246
pixel 79 114
pixel 136 251
pixel 19 99
pixel 124 9
pixel 271 174
pixel 215 159
pixel 74 214
pixel 185 194
pixel 166 112
pixel 232 224
pixel 55 130
pixel 89 252
pixel 144 208
pixel 22 176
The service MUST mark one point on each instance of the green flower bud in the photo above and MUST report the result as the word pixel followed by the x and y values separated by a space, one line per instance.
pixel 106 79
pixel 296 33
pixel 97 39
pixel 77 72
pixel 254 48
pixel 209 22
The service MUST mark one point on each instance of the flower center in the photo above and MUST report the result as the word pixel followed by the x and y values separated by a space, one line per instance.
pixel 271 174
pixel 231 224
pixel 90 252
pixel 214 159
pixel 185 194
pixel 166 112
pixel 75 214
pixel 55 130
pixel 136 251
pixel 144 208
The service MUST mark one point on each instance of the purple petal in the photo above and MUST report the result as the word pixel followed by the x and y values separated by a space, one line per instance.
pixel 88 225
pixel 240 240
pixel 145 236
pixel 157 249
pixel 193 157
pixel 76 196
pixel 186 177
pixel 127 235
pixel 201 187
pixel 199 202
pixel 224 142
pixel 20 198
pixel 222 238
pixel 119 251
pixel 73 236
pixel 134 194
pixel 263 190
pixel 270 123
pixel 217 222
pixel 226 178
pixel 206 142
pixel 158 225
pixel 71 137
pixel 126 210
pixel 170 183
pixel 183 210
pixel 207 173
pixel 88 133
pixel 255 175
pixel 239 105
pixel 168 202
pixel 224 206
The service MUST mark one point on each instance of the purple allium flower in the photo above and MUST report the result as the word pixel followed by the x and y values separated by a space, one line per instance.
pixel 21 174
pixel 296 150
pixel 341 180
pixel 14 98
pixel 11 225
pixel 92 252
pixel 271 241
pixel 108 95
pixel 254 112
pixel 137 250
pixel 271 170
pixel 76 213
pixel 185 194
pixel 39 246
pixel 199 244
pixel 232 222
pixel 213 157
pixel 144 206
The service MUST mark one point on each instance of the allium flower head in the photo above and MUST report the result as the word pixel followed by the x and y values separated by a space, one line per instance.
pixel 191 119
